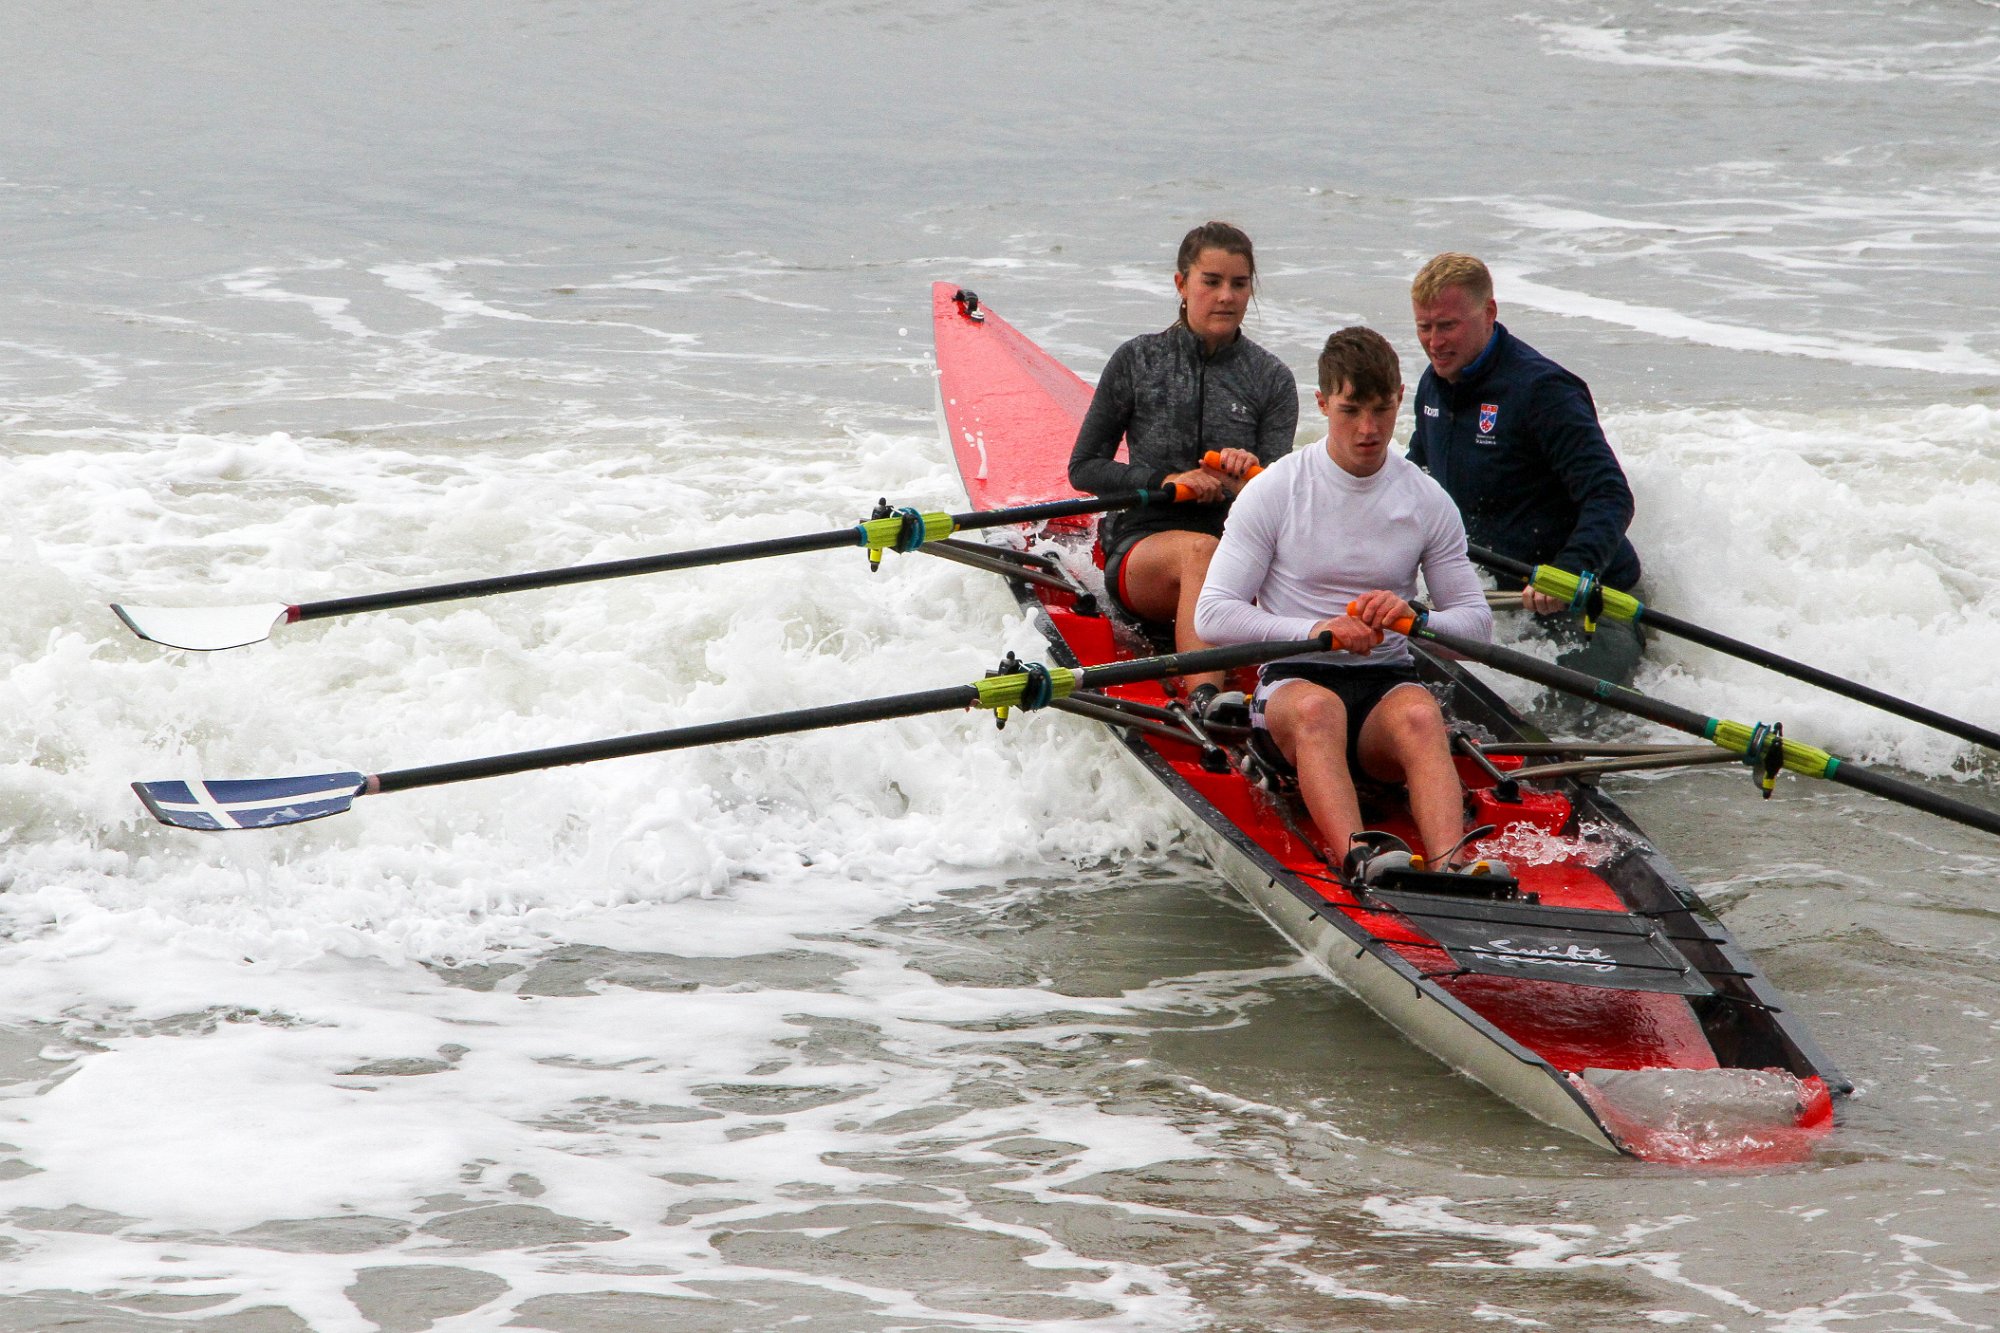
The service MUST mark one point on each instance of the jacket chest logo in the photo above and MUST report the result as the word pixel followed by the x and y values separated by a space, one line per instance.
pixel 1489 417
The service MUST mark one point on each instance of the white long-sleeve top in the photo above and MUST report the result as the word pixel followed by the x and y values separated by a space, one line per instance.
pixel 1307 537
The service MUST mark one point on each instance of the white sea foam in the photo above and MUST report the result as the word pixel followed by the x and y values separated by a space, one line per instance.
pixel 1781 41
pixel 1663 322
pixel 332 311
pixel 410 688
pixel 1853 541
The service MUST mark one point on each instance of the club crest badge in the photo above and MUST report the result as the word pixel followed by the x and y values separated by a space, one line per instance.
pixel 1489 417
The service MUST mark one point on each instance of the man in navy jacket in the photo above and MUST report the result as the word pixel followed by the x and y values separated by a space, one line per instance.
pixel 1513 438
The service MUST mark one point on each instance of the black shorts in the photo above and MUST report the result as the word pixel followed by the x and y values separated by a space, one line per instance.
pixel 1359 688
pixel 1114 570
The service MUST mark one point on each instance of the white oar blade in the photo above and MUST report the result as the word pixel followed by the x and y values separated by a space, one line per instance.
pixel 204 629
pixel 249 802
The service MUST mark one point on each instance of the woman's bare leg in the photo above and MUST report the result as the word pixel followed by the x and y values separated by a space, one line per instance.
pixel 1163 578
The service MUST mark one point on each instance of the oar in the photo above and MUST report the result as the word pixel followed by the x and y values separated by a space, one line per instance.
pixel 207 629
pixel 1765 747
pixel 267 802
pixel 1597 600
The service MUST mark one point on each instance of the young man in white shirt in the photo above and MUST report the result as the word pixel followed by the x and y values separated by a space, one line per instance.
pixel 1338 523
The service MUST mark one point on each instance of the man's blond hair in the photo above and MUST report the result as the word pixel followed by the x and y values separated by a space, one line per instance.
pixel 1452 269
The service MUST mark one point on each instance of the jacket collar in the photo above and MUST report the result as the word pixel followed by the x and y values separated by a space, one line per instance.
pixel 1191 344
pixel 1482 365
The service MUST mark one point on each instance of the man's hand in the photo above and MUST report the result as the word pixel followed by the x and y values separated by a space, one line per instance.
pixel 1541 603
pixel 1350 635
pixel 1367 616
pixel 1379 609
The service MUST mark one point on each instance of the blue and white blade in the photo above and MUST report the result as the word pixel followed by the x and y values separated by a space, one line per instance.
pixel 249 802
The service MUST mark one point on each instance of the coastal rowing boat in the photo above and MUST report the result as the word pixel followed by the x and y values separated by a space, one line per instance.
pixel 1589 985
pixel 1596 991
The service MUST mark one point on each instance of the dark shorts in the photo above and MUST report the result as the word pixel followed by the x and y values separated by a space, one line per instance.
pixel 1359 688
pixel 1114 570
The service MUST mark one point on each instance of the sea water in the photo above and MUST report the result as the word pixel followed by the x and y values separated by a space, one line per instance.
pixel 920 1024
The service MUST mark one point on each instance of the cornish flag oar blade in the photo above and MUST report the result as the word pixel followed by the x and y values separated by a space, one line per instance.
pixel 240 803
pixel 204 629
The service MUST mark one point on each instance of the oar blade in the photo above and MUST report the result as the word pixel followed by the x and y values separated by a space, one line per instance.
pixel 204 629
pixel 241 803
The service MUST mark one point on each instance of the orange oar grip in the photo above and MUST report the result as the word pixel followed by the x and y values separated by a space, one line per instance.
pixel 1213 458
pixel 1402 625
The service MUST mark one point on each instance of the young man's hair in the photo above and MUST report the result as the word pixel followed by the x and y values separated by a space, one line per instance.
pixel 1452 269
pixel 1361 363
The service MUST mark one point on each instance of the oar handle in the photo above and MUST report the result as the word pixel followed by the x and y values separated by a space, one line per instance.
pixel 1213 458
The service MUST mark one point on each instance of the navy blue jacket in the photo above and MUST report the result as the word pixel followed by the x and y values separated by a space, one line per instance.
pixel 1515 442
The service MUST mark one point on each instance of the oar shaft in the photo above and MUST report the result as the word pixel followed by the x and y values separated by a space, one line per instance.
pixel 552 578
pixel 1784 666
pixel 1826 680
pixel 1631 701
pixel 1090 504
pixel 1197 662
pixel 831 715
pixel 716 555
pixel 1922 798
pixel 1562 678
pixel 681 738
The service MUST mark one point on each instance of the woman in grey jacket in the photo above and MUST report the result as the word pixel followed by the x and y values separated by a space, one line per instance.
pixel 1173 397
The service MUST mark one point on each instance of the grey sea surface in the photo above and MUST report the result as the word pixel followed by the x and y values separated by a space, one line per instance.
pixel 929 1026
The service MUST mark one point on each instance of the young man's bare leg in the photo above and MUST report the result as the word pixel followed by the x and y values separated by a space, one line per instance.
pixel 1163 578
pixel 1310 726
pixel 1405 740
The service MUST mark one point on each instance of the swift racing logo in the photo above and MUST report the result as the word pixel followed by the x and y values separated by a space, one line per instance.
pixel 1568 955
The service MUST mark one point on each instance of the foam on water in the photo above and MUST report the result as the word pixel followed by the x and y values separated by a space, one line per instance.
pixel 247 1039
pixel 1850 540
pixel 1667 323
pixel 411 688
pixel 382 1113
pixel 1854 44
